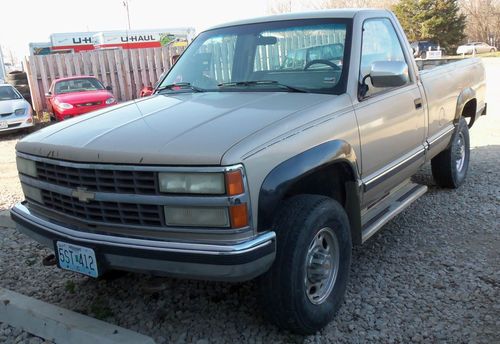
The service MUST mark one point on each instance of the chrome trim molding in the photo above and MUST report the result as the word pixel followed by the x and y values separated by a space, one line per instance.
pixel 200 201
pixel 149 168
pixel 263 239
pixel 380 178
pixel 440 136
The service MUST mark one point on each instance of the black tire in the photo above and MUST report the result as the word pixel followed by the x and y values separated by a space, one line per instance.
pixel 446 169
pixel 492 50
pixel 423 55
pixel 16 75
pixel 283 294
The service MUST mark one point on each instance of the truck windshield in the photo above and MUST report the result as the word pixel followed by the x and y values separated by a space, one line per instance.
pixel 309 55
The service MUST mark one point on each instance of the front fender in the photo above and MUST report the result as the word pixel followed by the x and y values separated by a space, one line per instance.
pixel 283 176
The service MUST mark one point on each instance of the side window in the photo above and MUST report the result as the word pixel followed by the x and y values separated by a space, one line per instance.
pixel 380 43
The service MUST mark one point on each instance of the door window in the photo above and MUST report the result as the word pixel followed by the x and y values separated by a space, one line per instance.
pixel 380 43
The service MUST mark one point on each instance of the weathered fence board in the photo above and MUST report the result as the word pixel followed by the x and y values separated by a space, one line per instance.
pixel 126 71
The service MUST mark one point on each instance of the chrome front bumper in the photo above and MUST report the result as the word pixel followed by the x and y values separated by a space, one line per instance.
pixel 238 262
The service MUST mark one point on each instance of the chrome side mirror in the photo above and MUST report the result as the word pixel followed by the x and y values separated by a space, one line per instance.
pixel 389 73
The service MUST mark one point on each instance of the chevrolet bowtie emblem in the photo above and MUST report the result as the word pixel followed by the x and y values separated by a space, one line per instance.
pixel 83 195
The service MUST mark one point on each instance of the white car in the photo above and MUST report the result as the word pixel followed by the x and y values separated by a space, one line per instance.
pixel 475 47
pixel 15 111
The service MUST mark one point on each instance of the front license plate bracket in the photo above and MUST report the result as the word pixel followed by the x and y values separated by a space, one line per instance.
pixel 76 258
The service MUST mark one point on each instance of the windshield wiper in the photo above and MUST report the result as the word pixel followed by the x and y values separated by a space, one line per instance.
pixel 180 85
pixel 261 82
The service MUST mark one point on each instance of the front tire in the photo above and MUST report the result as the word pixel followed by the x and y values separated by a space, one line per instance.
pixel 305 287
pixel 449 168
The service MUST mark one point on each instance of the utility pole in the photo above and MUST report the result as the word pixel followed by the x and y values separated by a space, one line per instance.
pixel 125 4
pixel 2 66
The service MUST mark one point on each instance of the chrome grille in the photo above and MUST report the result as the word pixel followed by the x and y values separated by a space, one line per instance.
pixel 89 104
pixel 107 212
pixel 114 181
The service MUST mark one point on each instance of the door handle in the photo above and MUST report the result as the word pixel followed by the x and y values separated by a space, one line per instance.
pixel 418 103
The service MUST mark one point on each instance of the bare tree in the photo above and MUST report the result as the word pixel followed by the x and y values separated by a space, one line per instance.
pixel 483 20
pixel 355 3
pixel 283 6
pixel 279 6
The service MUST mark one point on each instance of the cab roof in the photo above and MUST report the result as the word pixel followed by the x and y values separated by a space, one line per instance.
pixel 76 77
pixel 336 13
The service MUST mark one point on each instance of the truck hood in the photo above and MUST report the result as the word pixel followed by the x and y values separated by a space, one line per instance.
pixel 175 129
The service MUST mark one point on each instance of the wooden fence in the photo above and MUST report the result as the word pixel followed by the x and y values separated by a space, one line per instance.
pixel 126 71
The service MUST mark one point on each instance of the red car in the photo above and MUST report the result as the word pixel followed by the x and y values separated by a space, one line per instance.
pixel 73 96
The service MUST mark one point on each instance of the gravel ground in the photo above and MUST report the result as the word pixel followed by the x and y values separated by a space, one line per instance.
pixel 11 335
pixel 432 275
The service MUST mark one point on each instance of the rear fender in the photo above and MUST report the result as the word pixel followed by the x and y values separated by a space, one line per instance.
pixel 465 96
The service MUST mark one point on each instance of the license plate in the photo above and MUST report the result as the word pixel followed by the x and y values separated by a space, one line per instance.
pixel 3 125
pixel 77 258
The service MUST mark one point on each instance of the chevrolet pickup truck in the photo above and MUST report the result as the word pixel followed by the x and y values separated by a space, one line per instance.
pixel 238 168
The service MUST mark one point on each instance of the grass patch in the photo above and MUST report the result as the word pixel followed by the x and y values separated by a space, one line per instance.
pixel 70 287
pixel 100 309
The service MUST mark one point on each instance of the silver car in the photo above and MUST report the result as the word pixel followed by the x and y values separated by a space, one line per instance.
pixel 475 48
pixel 15 111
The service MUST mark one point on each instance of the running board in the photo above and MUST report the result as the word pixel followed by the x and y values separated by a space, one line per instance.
pixel 410 194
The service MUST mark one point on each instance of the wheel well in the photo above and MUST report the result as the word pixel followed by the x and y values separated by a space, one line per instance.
pixel 469 110
pixel 328 181
pixel 336 181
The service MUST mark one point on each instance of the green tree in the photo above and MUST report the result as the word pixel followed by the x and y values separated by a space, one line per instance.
pixel 439 21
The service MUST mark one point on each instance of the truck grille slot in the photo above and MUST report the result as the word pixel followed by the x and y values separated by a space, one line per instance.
pixel 114 181
pixel 109 212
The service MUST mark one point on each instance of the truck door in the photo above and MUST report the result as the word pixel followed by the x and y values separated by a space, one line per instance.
pixel 391 120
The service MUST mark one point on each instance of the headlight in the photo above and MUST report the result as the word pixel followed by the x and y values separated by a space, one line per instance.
pixel 197 216
pixel 64 106
pixel 192 183
pixel 20 112
pixel 110 101
pixel 26 166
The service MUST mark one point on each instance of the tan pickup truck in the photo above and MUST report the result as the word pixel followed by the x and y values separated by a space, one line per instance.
pixel 269 149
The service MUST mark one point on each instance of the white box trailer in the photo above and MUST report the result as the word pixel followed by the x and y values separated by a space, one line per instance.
pixel 143 38
pixel 72 41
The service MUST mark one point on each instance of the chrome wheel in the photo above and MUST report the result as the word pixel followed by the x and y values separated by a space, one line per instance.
pixel 460 152
pixel 322 265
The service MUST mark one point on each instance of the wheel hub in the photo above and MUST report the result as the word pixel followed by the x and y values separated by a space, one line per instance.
pixel 460 152
pixel 322 264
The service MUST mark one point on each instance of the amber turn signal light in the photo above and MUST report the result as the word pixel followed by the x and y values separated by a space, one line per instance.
pixel 234 183
pixel 239 215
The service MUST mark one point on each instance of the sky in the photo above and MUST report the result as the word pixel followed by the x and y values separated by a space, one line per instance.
pixel 25 21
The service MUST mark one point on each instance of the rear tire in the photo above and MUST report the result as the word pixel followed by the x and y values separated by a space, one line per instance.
pixel 449 168
pixel 305 287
